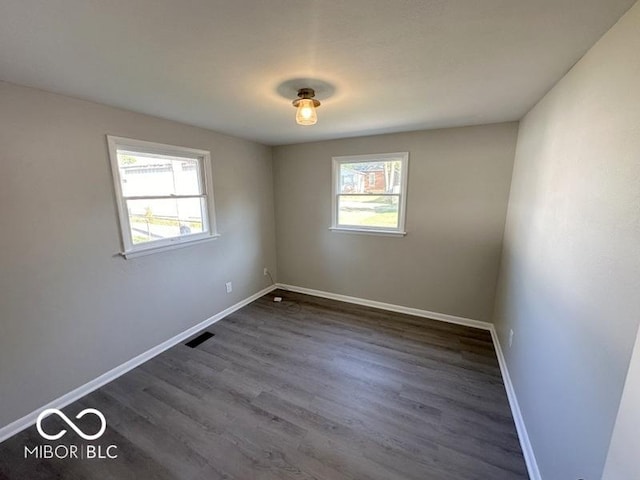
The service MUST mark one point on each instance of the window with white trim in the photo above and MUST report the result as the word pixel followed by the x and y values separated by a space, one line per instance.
pixel 164 195
pixel 369 193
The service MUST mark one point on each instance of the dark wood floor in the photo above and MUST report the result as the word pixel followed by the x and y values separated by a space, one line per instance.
pixel 304 389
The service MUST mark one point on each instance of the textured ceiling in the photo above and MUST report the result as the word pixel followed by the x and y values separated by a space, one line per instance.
pixel 384 65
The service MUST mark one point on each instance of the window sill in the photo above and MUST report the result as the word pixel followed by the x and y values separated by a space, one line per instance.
pixel 163 248
pixel 368 231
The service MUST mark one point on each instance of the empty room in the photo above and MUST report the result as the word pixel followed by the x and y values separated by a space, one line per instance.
pixel 320 240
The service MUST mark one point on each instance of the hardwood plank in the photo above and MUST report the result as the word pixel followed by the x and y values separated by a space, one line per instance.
pixel 306 389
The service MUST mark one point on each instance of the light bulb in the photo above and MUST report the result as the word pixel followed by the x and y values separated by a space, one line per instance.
pixel 306 113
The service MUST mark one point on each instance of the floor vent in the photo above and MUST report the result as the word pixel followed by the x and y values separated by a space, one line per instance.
pixel 203 337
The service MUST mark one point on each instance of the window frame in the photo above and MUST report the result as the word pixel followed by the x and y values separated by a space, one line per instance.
pixel 203 157
pixel 337 161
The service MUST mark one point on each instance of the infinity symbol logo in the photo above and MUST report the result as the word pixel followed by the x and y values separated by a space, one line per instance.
pixel 50 411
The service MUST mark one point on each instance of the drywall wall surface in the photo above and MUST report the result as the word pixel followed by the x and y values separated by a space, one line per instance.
pixel 622 459
pixel 570 273
pixel 457 198
pixel 71 308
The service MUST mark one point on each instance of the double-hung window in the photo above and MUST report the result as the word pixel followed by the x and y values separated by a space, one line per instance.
pixel 164 195
pixel 370 193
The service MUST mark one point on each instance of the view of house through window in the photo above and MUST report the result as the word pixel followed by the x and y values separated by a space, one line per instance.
pixel 152 218
pixel 369 192
pixel 162 196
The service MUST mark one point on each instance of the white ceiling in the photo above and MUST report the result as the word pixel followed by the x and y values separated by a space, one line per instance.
pixel 394 65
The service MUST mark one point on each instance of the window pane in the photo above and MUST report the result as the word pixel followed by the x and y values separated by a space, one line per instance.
pixel 370 177
pixel 368 211
pixel 143 174
pixel 165 218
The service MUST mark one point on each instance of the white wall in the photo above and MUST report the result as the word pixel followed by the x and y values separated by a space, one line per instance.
pixel 570 276
pixel 622 459
pixel 457 199
pixel 70 307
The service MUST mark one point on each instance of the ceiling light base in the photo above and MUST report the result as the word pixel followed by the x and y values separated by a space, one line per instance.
pixel 306 93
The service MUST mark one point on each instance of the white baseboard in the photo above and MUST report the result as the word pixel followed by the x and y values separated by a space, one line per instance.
pixel 523 436
pixel 525 444
pixel 416 312
pixel 30 419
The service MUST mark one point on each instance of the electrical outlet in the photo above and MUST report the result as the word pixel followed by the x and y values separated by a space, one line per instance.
pixel 510 338
pixel 229 286
pixel 265 272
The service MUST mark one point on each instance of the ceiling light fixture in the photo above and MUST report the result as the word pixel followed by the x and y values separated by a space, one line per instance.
pixel 306 105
